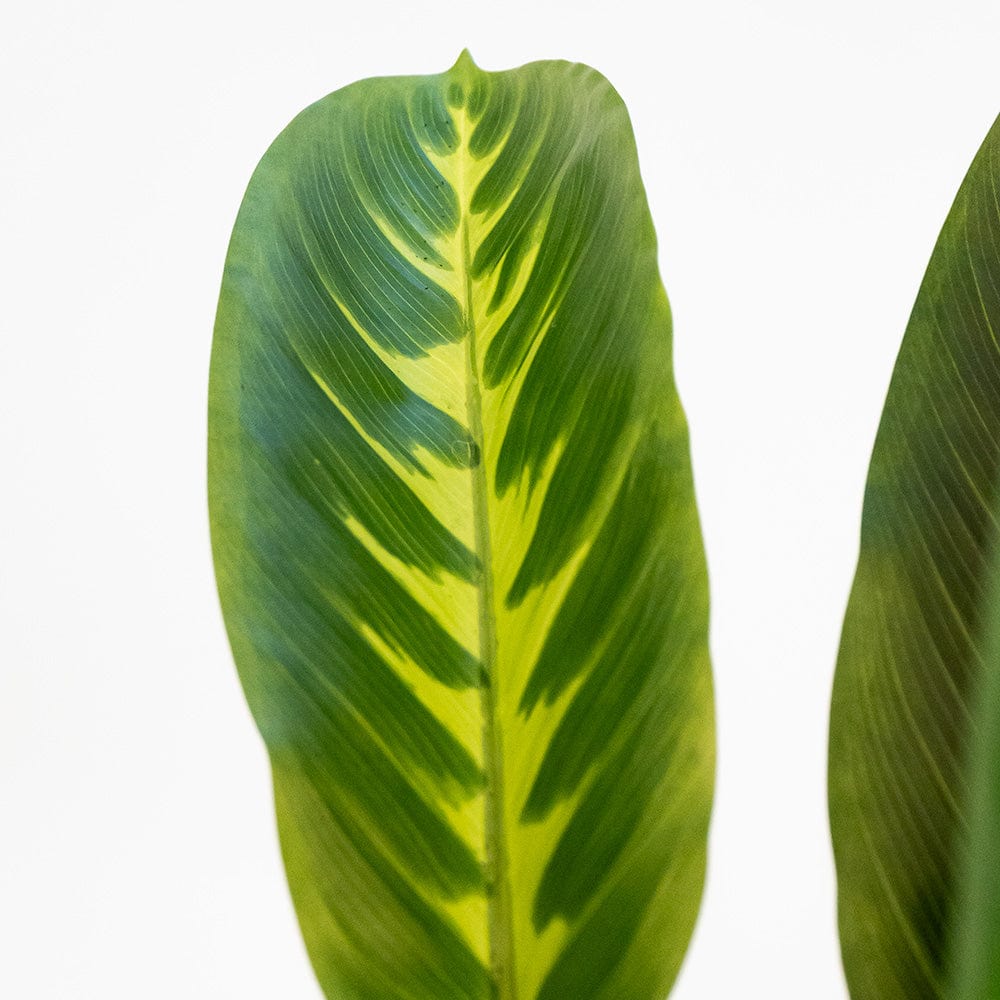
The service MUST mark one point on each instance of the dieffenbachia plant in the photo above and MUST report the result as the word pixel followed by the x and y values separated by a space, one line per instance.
pixel 456 541
pixel 915 727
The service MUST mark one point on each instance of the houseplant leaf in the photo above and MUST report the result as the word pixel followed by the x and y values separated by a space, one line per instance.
pixel 910 707
pixel 456 541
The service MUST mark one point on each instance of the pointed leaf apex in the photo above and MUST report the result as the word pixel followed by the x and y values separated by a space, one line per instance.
pixel 465 63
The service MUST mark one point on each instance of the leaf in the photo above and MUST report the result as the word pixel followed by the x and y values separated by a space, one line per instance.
pixel 975 966
pixel 916 685
pixel 456 541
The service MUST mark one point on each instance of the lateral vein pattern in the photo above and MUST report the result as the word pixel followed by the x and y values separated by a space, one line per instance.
pixel 912 658
pixel 456 541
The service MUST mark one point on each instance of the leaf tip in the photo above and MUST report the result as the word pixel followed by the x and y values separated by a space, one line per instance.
pixel 462 78
pixel 464 63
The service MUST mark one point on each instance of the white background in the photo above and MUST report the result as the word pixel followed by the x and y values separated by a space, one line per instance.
pixel 799 158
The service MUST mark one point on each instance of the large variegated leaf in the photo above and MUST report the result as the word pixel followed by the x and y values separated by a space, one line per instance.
pixel 916 703
pixel 456 541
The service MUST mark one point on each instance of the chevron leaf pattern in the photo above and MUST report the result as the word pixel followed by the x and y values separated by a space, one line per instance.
pixel 456 541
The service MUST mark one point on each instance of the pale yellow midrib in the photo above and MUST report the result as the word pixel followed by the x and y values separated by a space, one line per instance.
pixel 499 909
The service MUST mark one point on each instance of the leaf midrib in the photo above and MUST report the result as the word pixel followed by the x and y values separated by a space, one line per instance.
pixel 499 909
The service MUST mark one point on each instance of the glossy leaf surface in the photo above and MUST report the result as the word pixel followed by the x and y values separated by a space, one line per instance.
pixel 456 541
pixel 916 692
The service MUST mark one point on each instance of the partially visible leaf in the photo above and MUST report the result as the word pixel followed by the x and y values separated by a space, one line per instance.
pixel 916 685
pixel 456 541
pixel 975 968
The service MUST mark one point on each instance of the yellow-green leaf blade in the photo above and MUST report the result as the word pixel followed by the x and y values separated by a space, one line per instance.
pixel 456 542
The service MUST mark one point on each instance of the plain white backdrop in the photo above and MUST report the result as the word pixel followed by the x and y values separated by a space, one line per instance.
pixel 799 159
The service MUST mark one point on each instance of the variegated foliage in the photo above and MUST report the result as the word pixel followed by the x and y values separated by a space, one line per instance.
pixel 456 541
